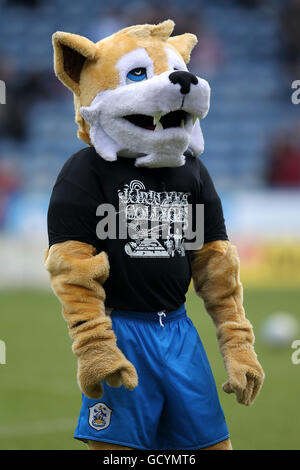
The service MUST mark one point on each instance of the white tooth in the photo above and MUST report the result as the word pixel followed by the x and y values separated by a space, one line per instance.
pixel 194 119
pixel 159 127
pixel 182 123
pixel 156 119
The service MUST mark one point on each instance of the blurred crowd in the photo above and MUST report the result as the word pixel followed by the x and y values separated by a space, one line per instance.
pixel 290 35
pixel 213 58
pixel 284 159
pixel 27 87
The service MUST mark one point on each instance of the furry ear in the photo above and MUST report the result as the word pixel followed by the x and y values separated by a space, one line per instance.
pixel 70 53
pixel 184 43
pixel 161 31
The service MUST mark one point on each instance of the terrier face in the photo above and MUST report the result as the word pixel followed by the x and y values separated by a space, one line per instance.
pixel 133 93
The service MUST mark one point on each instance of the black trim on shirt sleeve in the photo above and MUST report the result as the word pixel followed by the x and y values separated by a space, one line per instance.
pixel 214 223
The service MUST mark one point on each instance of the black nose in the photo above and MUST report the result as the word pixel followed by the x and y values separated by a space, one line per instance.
pixel 184 79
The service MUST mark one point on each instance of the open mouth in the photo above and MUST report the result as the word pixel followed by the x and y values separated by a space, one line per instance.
pixel 158 122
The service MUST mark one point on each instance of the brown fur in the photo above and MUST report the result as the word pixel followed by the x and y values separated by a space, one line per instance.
pixel 92 66
pixel 77 275
pixel 216 279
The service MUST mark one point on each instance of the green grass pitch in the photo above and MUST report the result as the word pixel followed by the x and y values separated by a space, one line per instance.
pixel 40 400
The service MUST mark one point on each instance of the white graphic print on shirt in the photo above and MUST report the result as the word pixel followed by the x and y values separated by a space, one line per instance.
pixel 156 221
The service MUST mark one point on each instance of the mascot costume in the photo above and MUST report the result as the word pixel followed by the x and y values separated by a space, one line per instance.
pixel 118 258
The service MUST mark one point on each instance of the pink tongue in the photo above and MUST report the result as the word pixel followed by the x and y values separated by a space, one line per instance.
pixel 150 128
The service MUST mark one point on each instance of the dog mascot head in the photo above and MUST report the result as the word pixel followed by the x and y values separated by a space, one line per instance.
pixel 133 94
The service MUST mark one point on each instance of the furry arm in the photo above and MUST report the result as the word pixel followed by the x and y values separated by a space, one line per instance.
pixel 215 270
pixel 76 277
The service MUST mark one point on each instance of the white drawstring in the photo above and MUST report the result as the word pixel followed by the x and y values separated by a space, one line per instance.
pixel 161 314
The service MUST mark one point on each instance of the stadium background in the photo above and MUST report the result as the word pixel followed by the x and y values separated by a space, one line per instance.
pixel 249 51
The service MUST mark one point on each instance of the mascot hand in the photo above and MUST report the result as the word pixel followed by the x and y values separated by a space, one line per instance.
pixel 99 359
pixel 245 375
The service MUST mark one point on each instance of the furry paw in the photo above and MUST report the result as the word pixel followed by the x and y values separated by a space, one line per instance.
pixel 90 376
pixel 125 376
pixel 244 380
pixel 92 389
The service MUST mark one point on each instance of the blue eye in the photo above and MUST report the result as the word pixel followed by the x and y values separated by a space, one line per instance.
pixel 137 75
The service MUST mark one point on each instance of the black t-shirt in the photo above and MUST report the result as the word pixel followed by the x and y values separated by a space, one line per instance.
pixel 150 269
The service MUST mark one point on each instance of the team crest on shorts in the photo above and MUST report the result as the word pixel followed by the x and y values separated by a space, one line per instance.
pixel 99 417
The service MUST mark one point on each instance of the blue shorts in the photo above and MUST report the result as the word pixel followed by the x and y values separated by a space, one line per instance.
pixel 175 405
